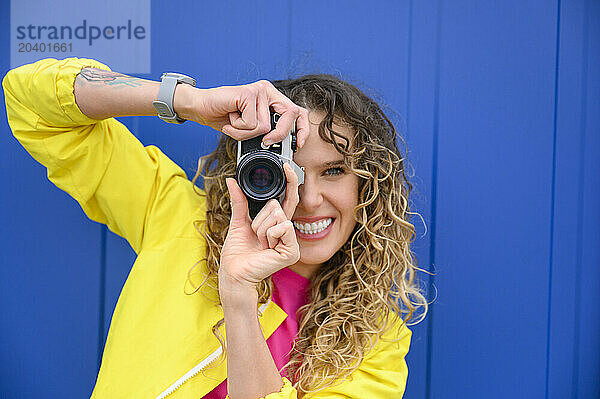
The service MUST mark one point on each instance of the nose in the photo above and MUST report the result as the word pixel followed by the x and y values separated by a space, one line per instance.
pixel 310 194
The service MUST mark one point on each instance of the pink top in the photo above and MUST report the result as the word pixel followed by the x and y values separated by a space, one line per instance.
pixel 289 293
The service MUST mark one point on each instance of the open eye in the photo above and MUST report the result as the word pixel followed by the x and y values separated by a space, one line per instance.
pixel 334 171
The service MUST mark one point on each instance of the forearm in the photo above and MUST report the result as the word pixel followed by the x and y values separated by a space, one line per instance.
pixel 104 94
pixel 251 371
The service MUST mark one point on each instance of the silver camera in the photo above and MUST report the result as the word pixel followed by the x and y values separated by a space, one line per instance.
pixel 259 171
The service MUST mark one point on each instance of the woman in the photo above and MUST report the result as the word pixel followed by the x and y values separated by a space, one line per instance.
pixel 352 273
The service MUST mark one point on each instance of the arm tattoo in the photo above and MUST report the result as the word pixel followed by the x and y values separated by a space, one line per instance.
pixel 109 78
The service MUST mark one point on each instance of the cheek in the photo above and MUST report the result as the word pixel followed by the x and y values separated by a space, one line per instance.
pixel 346 202
pixel 351 194
pixel 346 208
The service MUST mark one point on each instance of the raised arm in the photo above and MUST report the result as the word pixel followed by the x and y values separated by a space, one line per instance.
pixel 102 94
pixel 241 112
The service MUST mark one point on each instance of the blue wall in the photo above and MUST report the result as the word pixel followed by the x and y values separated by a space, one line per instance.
pixel 500 104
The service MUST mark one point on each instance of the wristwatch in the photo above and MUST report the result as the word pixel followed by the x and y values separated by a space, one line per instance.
pixel 166 93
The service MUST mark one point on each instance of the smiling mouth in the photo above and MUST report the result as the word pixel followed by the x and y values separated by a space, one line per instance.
pixel 314 227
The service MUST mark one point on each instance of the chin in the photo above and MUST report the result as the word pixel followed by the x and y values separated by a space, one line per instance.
pixel 312 257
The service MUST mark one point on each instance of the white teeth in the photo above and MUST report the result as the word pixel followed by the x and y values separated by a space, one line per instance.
pixel 313 228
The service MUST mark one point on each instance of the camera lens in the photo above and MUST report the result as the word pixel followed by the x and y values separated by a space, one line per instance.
pixel 261 178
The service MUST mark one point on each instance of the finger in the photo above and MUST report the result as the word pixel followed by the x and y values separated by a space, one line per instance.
pixel 230 130
pixel 245 119
pixel 235 120
pixel 275 217
pixel 239 204
pixel 274 233
pixel 289 237
pixel 283 233
pixel 291 191
pixel 285 124
pixel 239 134
pixel 263 113
pixel 260 217
pixel 302 127
pixel 258 221
pixel 262 239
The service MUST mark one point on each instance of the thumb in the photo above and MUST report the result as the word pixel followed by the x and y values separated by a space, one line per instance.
pixel 239 204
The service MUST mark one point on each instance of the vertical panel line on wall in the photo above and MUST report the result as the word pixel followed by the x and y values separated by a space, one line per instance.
pixel 409 69
pixel 289 39
pixel 580 200
pixel 552 201
pixel 434 173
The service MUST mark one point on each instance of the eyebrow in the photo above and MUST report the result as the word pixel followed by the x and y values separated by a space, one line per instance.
pixel 333 163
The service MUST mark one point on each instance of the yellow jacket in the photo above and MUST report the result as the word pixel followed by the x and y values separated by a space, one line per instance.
pixel 160 339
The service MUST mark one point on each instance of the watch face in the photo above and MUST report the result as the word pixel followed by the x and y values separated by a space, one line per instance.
pixel 164 103
pixel 181 78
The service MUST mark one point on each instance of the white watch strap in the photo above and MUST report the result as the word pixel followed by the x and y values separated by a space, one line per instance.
pixel 166 94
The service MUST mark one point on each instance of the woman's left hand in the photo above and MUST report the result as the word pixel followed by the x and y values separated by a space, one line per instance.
pixel 254 250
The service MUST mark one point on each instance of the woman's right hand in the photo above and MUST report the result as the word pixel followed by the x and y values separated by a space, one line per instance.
pixel 255 249
pixel 242 112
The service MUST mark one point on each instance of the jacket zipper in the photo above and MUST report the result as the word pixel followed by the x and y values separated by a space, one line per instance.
pixel 200 366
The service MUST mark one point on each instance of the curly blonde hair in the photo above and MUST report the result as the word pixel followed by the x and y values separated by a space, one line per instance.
pixel 372 278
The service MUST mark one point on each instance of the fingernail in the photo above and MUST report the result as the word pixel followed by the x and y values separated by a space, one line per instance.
pixel 267 142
